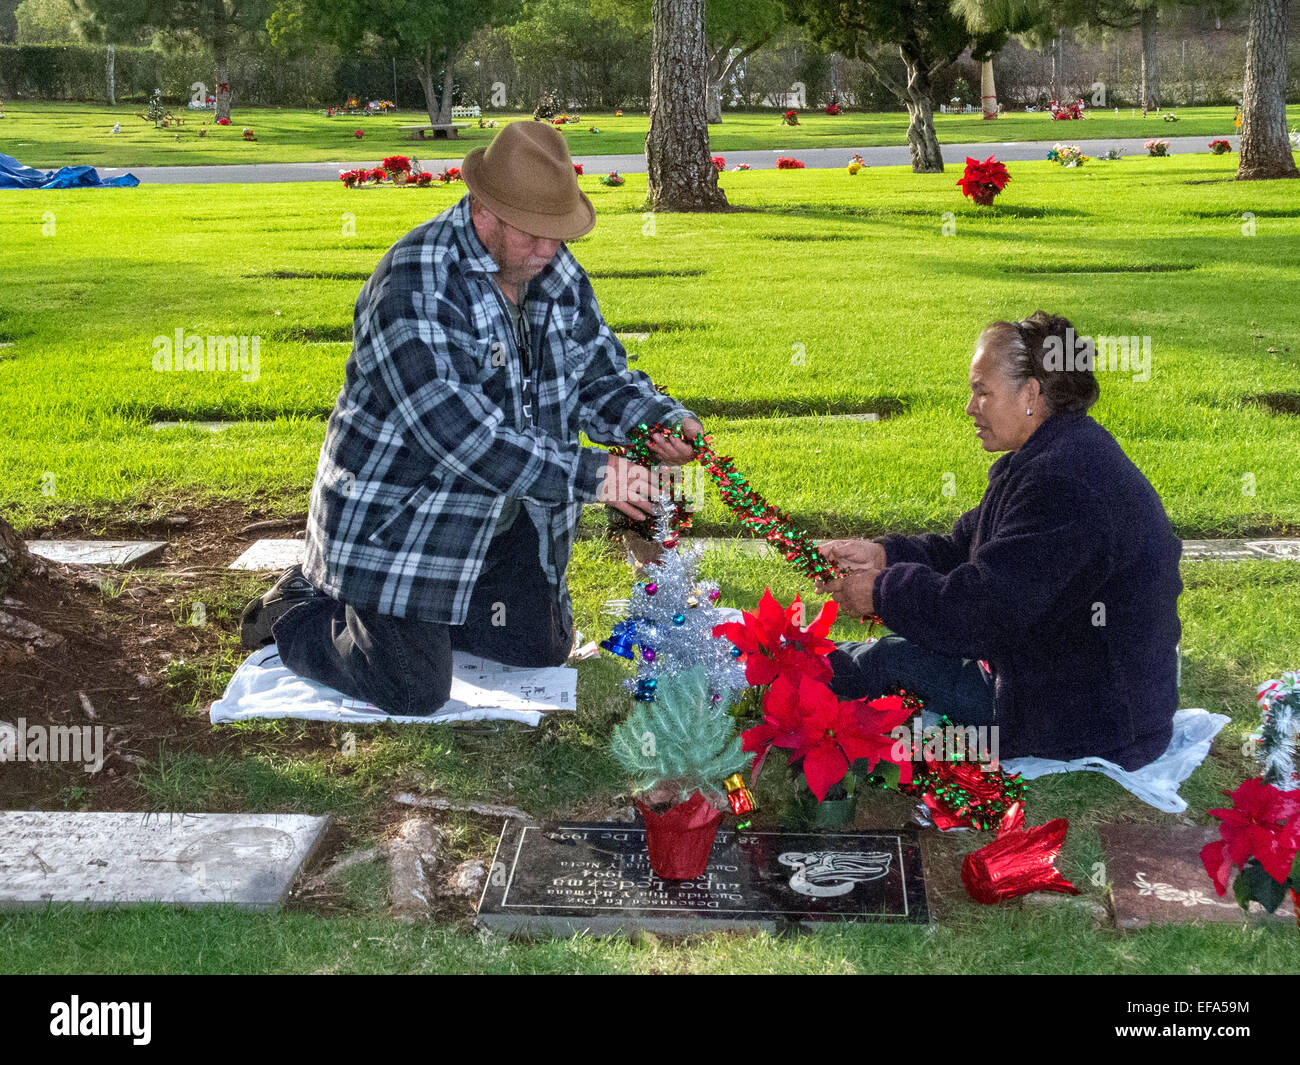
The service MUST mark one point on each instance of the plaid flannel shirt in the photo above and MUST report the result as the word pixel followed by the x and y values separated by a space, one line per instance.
pixel 429 436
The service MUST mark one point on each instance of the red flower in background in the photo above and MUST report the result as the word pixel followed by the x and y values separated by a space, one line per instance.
pixel 1263 823
pixel 223 122
pixel 833 109
pixel 577 169
pixel 396 164
pixel 983 181
pixel 719 163
pixel 377 174
pixel 786 163
pixel 358 133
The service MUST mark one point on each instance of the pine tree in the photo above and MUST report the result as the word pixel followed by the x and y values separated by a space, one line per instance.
pixel 681 738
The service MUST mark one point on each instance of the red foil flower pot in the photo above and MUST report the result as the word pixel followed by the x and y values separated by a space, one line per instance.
pixel 681 840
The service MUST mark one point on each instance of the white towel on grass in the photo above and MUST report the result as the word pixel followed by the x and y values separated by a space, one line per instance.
pixel 263 687
pixel 1155 784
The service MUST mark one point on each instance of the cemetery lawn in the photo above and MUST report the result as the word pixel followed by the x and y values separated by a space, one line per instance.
pixel 66 134
pixel 826 297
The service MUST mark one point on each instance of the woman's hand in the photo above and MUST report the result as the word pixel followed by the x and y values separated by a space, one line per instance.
pixel 855 592
pixel 853 554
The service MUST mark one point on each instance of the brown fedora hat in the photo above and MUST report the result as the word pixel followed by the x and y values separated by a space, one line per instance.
pixel 525 177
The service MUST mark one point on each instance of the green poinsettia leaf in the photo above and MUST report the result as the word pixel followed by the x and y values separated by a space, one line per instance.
pixel 1254 883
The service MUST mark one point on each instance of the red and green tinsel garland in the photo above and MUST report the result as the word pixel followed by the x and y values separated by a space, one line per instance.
pixel 753 511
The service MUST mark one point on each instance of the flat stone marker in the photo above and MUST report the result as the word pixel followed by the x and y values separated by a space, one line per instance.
pixel 119 553
pixel 103 859
pixel 1157 877
pixel 633 336
pixel 567 877
pixel 211 427
pixel 270 555
pixel 1220 550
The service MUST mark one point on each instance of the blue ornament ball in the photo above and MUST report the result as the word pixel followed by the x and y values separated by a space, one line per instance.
pixel 679 619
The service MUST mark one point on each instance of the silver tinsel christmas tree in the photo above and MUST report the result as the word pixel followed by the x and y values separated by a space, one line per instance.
pixel 1280 700
pixel 668 622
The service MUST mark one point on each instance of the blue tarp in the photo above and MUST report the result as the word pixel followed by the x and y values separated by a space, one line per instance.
pixel 14 175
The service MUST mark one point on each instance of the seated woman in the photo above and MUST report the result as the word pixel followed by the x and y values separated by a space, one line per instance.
pixel 1051 609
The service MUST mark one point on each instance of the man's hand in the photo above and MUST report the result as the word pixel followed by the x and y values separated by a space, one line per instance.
pixel 853 554
pixel 674 451
pixel 626 487
pixel 854 592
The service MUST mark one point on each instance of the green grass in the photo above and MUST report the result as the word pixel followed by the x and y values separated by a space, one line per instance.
pixel 886 308
pixel 57 134
pixel 824 296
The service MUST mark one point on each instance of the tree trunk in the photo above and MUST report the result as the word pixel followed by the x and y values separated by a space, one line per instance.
pixel 1265 146
pixel 112 88
pixel 223 82
pixel 1150 65
pixel 424 73
pixel 448 83
pixel 14 558
pixel 682 176
pixel 714 101
pixel 921 138
pixel 988 91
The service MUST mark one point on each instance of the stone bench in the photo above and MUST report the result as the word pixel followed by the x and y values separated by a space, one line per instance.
pixel 440 131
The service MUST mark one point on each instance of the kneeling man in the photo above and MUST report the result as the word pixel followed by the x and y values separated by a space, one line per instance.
pixel 452 477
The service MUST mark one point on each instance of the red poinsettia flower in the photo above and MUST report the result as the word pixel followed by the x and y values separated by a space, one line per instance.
pixel 982 181
pixel 577 169
pixel 719 163
pixel 773 643
pixel 878 718
pixel 782 724
pixel 1263 823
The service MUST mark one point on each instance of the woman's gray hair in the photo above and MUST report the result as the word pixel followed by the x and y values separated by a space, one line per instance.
pixel 1022 348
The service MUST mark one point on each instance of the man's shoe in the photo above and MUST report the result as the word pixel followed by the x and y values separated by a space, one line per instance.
pixel 263 612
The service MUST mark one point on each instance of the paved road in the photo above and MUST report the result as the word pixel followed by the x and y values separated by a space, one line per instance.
pixel 635 164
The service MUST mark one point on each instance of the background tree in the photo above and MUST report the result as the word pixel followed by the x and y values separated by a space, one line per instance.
pixel 1112 15
pixel 733 31
pixel 984 17
pixel 929 37
pixel 221 25
pixel 432 33
pixel 682 176
pixel 46 22
pixel 1265 145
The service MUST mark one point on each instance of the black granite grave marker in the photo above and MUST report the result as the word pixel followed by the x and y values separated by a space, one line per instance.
pixel 573 877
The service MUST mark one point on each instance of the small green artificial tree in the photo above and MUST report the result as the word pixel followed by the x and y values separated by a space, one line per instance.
pixel 681 741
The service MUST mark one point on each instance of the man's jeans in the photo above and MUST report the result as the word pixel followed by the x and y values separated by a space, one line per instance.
pixel 955 687
pixel 404 666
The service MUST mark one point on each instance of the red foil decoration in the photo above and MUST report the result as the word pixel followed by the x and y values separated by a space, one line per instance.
pixel 681 840
pixel 1018 862
pixel 983 795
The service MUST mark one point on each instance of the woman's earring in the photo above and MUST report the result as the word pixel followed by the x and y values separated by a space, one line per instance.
pixel 1029 411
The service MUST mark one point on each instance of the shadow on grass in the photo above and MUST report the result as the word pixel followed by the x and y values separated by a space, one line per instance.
pixel 710 406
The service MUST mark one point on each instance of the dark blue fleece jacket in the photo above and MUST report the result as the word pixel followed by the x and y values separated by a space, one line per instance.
pixel 1065 579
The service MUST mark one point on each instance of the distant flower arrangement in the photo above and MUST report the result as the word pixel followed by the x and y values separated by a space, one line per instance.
pixel 1112 153
pixel 1171 117
pixel 223 122
pixel 856 163
pixel 1220 147
pixel 983 181
pixel 786 163
pixel 740 166
pixel 564 120
pixel 1066 112
pixel 613 178
pixel 1157 147
pixel 594 129
pixel 790 118
pixel 719 163
pixel 396 169
pixel 358 133
pixel 248 134
pixel 1068 155
pixel 577 169
pixel 452 173
pixel 833 109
